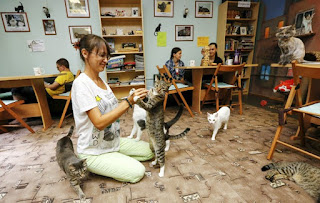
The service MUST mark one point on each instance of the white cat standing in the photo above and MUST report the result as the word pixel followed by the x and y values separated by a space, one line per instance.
pixel 139 119
pixel 218 119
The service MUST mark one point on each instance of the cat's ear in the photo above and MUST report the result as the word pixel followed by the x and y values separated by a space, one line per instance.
pixel 208 114
pixel 156 78
pixel 216 115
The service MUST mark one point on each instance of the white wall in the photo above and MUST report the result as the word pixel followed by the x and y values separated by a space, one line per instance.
pixel 16 59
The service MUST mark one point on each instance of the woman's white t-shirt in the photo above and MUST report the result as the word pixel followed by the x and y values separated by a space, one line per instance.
pixel 87 95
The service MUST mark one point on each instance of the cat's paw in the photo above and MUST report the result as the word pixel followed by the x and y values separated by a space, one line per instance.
pixel 213 138
pixel 154 162
pixel 132 91
pixel 82 197
pixel 137 139
pixel 135 98
pixel 161 175
pixel 167 145
pixel 130 136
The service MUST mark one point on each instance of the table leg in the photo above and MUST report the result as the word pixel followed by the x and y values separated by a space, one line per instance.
pixel 196 94
pixel 40 93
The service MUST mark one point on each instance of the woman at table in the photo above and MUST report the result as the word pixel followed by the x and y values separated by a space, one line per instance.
pixel 175 61
pixel 213 55
pixel 96 114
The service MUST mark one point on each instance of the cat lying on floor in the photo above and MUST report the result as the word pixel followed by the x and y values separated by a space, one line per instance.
pixel 218 119
pixel 305 175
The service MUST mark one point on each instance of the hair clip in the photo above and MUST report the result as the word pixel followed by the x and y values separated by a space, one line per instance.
pixel 76 45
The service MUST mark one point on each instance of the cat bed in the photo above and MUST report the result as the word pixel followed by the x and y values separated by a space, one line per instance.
pixel 180 85
pixel 314 108
pixel 5 95
pixel 284 86
pixel 222 85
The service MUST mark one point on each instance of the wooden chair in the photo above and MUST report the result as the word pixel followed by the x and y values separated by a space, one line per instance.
pixel 176 88
pixel 65 96
pixel 7 105
pixel 310 109
pixel 232 81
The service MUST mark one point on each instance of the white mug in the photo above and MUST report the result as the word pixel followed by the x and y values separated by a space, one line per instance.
pixel 38 71
pixel 229 62
pixel 192 63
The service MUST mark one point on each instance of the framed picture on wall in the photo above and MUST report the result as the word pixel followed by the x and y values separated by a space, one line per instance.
pixel 303 22
pixel 49 27
pixel 77 32
pixel 163 8
pixel 184 33
pixel 15 22
pixel 77 9
pixel 204 9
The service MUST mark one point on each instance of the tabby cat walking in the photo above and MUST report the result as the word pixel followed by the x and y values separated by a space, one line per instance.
pixel 305 175
pixel 74 168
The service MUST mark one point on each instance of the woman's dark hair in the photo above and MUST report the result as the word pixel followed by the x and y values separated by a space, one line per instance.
pixel 63 62
pixel 174 51
pixel 89 42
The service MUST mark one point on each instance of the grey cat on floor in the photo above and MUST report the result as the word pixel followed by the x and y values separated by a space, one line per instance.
pixel 292 48
pixel 74 168
pixel 305 175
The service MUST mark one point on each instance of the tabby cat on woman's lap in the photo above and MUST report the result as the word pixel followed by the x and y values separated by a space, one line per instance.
pixel 74 168
pixel 155 121
pixel 305 175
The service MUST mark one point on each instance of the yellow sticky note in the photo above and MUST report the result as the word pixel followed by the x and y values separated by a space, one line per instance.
pixel 203 41
pixel 162 39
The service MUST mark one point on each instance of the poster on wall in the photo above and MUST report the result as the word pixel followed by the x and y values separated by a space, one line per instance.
pixel 77 32
pixel 184 33
pixel 163 8
pixel 49 27
pixel 15 22
pixel 204 9
pixel 36 45
pixel 77 8
pixel 303 22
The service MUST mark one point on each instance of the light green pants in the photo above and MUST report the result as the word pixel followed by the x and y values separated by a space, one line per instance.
pixel 123 165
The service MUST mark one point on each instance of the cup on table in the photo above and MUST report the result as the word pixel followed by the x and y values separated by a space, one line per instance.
pixel 192 63
pixel 38 71
pixel 229 62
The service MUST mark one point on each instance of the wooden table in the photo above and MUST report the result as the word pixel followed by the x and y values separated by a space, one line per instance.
pixel 197 74
pixel 30 110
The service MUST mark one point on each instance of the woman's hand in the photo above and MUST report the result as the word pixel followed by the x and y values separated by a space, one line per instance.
pixel 141 93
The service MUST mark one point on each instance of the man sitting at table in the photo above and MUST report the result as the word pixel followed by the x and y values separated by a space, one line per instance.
pixel 57 87
pixel 213 58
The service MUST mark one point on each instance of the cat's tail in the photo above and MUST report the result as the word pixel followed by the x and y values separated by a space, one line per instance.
pixel 175 119
pixel 318 201
pixel 268 167
pixel 174 137
pixel 70 131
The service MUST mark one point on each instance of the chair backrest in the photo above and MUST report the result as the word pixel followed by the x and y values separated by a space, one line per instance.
pixel 68 85
pixel 164 72
pixel 231 72
pixel 308 71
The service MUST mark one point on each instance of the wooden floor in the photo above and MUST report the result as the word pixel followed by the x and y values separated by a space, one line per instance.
pixel 197 169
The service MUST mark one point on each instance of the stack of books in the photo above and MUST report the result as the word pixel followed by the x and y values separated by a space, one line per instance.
pixel 139 80
pixel 115 63
pixel 139 62
pixel 246 43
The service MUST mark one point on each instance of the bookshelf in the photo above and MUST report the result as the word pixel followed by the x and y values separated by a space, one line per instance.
pixel 237 31
pixel 122 27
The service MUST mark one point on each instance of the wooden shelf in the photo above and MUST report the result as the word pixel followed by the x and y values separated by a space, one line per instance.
pixel 125 86
pixel 128 24
pixel 306 35
pixel 128 52
pixel 243 50
pixel 114 36
pixel 122 18
pixel 241 19
pixel 122 71
pixel 227 23
pixel 228 35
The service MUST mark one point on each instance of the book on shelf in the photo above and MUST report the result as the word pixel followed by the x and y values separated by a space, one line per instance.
pixel 111 44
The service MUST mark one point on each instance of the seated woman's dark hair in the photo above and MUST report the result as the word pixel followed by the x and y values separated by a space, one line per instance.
pixel 91 41
pixel 174 51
